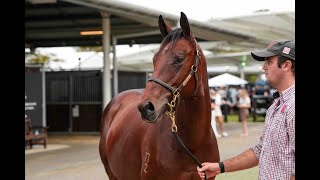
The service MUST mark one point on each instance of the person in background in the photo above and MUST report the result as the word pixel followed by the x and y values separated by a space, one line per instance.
pixel 272 91
pixel 266 91
pixel 213 115
pixel 259 89
pixel 218 113
pixel 222 91
pixel 275 152
pixel 244 104
pixel 232 96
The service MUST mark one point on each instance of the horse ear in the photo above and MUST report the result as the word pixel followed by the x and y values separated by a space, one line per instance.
pixel 164 28
pixel 184 24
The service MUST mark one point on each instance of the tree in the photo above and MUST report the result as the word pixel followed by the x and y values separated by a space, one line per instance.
pixel 90 48
pixel 40 59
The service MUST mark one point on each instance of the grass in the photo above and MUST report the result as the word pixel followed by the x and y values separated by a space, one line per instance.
pixel 234 117
pixel 247 174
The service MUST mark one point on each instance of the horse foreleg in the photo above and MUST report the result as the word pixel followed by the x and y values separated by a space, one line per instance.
pixel 109 172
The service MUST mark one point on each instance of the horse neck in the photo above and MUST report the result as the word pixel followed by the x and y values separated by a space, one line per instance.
pixel 193 116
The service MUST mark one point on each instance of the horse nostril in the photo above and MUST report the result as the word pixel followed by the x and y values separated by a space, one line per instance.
pixel 149 107
pixel 147 112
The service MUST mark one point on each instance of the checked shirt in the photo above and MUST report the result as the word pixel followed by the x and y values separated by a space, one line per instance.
pixel 276 148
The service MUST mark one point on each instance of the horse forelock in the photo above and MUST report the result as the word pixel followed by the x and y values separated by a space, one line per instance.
pixel 173 37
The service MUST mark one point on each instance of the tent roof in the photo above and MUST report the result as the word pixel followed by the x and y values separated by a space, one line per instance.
pixel 226 55
pixel 265 25
pixel 226 79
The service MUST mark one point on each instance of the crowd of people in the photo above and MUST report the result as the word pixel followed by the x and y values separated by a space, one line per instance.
pixel 236 100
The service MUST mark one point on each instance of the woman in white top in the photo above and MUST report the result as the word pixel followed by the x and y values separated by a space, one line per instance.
pixel 213 114
pixel 244 104
pixel 218 112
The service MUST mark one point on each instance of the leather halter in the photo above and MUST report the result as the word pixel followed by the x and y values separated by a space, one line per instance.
pixel 193 71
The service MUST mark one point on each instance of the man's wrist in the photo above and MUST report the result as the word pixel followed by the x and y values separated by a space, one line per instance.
pixel 221 165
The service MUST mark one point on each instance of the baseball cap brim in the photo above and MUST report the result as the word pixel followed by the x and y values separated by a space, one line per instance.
pixel 261 55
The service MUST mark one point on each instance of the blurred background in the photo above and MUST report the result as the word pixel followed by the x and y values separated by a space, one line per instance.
pixel 80 53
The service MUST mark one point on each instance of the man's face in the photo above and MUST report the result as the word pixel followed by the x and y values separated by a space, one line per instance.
pixel 272 71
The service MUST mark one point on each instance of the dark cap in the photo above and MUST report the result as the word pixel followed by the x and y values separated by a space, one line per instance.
pixel 280 48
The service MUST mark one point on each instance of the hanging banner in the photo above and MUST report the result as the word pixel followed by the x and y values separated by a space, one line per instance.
pixel 34 97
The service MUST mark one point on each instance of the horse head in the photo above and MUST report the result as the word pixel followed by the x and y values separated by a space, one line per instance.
pixel 175 72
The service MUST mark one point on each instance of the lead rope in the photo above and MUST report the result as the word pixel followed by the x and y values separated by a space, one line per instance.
pixel 174 129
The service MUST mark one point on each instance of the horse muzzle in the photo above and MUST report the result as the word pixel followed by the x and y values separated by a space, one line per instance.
pixel 148 112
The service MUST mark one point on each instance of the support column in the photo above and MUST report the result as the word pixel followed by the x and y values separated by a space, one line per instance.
pixel 115 67
pixel 106 78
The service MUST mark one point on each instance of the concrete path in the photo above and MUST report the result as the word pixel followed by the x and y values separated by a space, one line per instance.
pixel 76 157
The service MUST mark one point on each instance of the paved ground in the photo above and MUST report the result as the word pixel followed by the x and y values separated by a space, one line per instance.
pixel 76 157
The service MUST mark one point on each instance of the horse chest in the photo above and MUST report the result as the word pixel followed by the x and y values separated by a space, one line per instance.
pixel 173 171
pixel 169 165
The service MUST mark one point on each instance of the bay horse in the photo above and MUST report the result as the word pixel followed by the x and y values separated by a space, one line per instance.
pixel 137 126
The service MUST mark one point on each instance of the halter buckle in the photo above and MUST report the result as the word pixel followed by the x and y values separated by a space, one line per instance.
pixel 198 54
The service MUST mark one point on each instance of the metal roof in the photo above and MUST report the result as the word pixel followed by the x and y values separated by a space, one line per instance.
pixel 56 23
pixel 264 26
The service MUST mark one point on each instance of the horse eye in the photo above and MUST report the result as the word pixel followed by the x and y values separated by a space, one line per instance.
pixel 179 60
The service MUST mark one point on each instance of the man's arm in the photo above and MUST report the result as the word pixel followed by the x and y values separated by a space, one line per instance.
pixel 245 160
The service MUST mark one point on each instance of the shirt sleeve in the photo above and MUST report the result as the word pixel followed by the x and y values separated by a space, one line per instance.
pixel 292 137
pixel 257 147
pixel 293 172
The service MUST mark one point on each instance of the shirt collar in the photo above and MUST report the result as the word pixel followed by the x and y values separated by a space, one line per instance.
pixel 286 94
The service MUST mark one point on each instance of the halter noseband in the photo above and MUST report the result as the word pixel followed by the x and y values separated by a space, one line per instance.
pixel 193 71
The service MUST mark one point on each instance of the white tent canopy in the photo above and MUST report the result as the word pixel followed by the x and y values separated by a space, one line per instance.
pixel 226 79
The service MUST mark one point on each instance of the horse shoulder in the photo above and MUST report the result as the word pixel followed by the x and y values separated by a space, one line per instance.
pixel 121 102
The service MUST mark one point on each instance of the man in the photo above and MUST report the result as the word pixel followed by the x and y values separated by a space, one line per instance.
pixel 275 152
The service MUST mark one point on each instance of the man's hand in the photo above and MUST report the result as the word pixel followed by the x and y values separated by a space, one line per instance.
pixel 211 169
